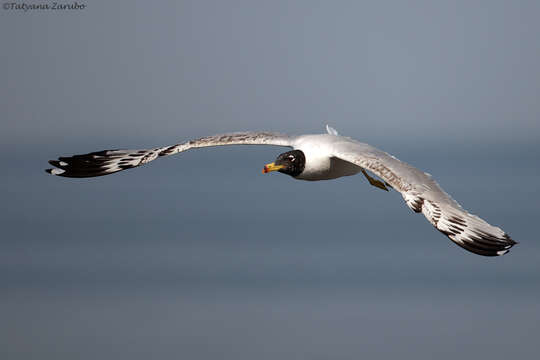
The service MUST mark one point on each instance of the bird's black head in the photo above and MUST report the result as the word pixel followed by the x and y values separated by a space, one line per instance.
pixel 290 163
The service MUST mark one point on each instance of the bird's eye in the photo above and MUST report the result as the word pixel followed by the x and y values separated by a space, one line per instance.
pixel 291 157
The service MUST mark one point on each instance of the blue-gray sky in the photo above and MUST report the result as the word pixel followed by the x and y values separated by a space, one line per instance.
pixel 179 258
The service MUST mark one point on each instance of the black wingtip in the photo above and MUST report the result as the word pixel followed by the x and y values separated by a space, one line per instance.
pixel 94 164
pixel 510 240
pixel 483 243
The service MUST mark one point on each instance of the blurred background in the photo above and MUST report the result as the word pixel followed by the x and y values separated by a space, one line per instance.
pixel 200 256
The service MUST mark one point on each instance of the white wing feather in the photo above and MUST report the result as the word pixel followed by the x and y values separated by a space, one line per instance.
pixel 330 130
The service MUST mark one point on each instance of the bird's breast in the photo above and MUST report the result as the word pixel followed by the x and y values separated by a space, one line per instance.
pixel 327 168
pixel 320 164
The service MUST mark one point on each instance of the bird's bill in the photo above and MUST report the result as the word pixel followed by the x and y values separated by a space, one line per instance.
pixel 272 167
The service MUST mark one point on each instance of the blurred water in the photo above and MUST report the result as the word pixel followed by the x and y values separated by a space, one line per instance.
pixel 201 256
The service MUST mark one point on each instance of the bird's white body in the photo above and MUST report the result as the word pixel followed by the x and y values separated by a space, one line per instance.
pixel 320 166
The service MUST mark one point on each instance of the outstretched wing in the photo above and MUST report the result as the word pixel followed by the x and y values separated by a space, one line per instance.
pixel 110 161
pixel 423 194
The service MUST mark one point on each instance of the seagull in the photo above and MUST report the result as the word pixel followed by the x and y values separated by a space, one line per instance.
pixel 322 157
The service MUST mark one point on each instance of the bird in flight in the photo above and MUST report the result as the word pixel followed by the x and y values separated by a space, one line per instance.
pixel 322 157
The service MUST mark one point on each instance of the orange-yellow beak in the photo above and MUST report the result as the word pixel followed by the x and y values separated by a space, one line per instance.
pixel 271 167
